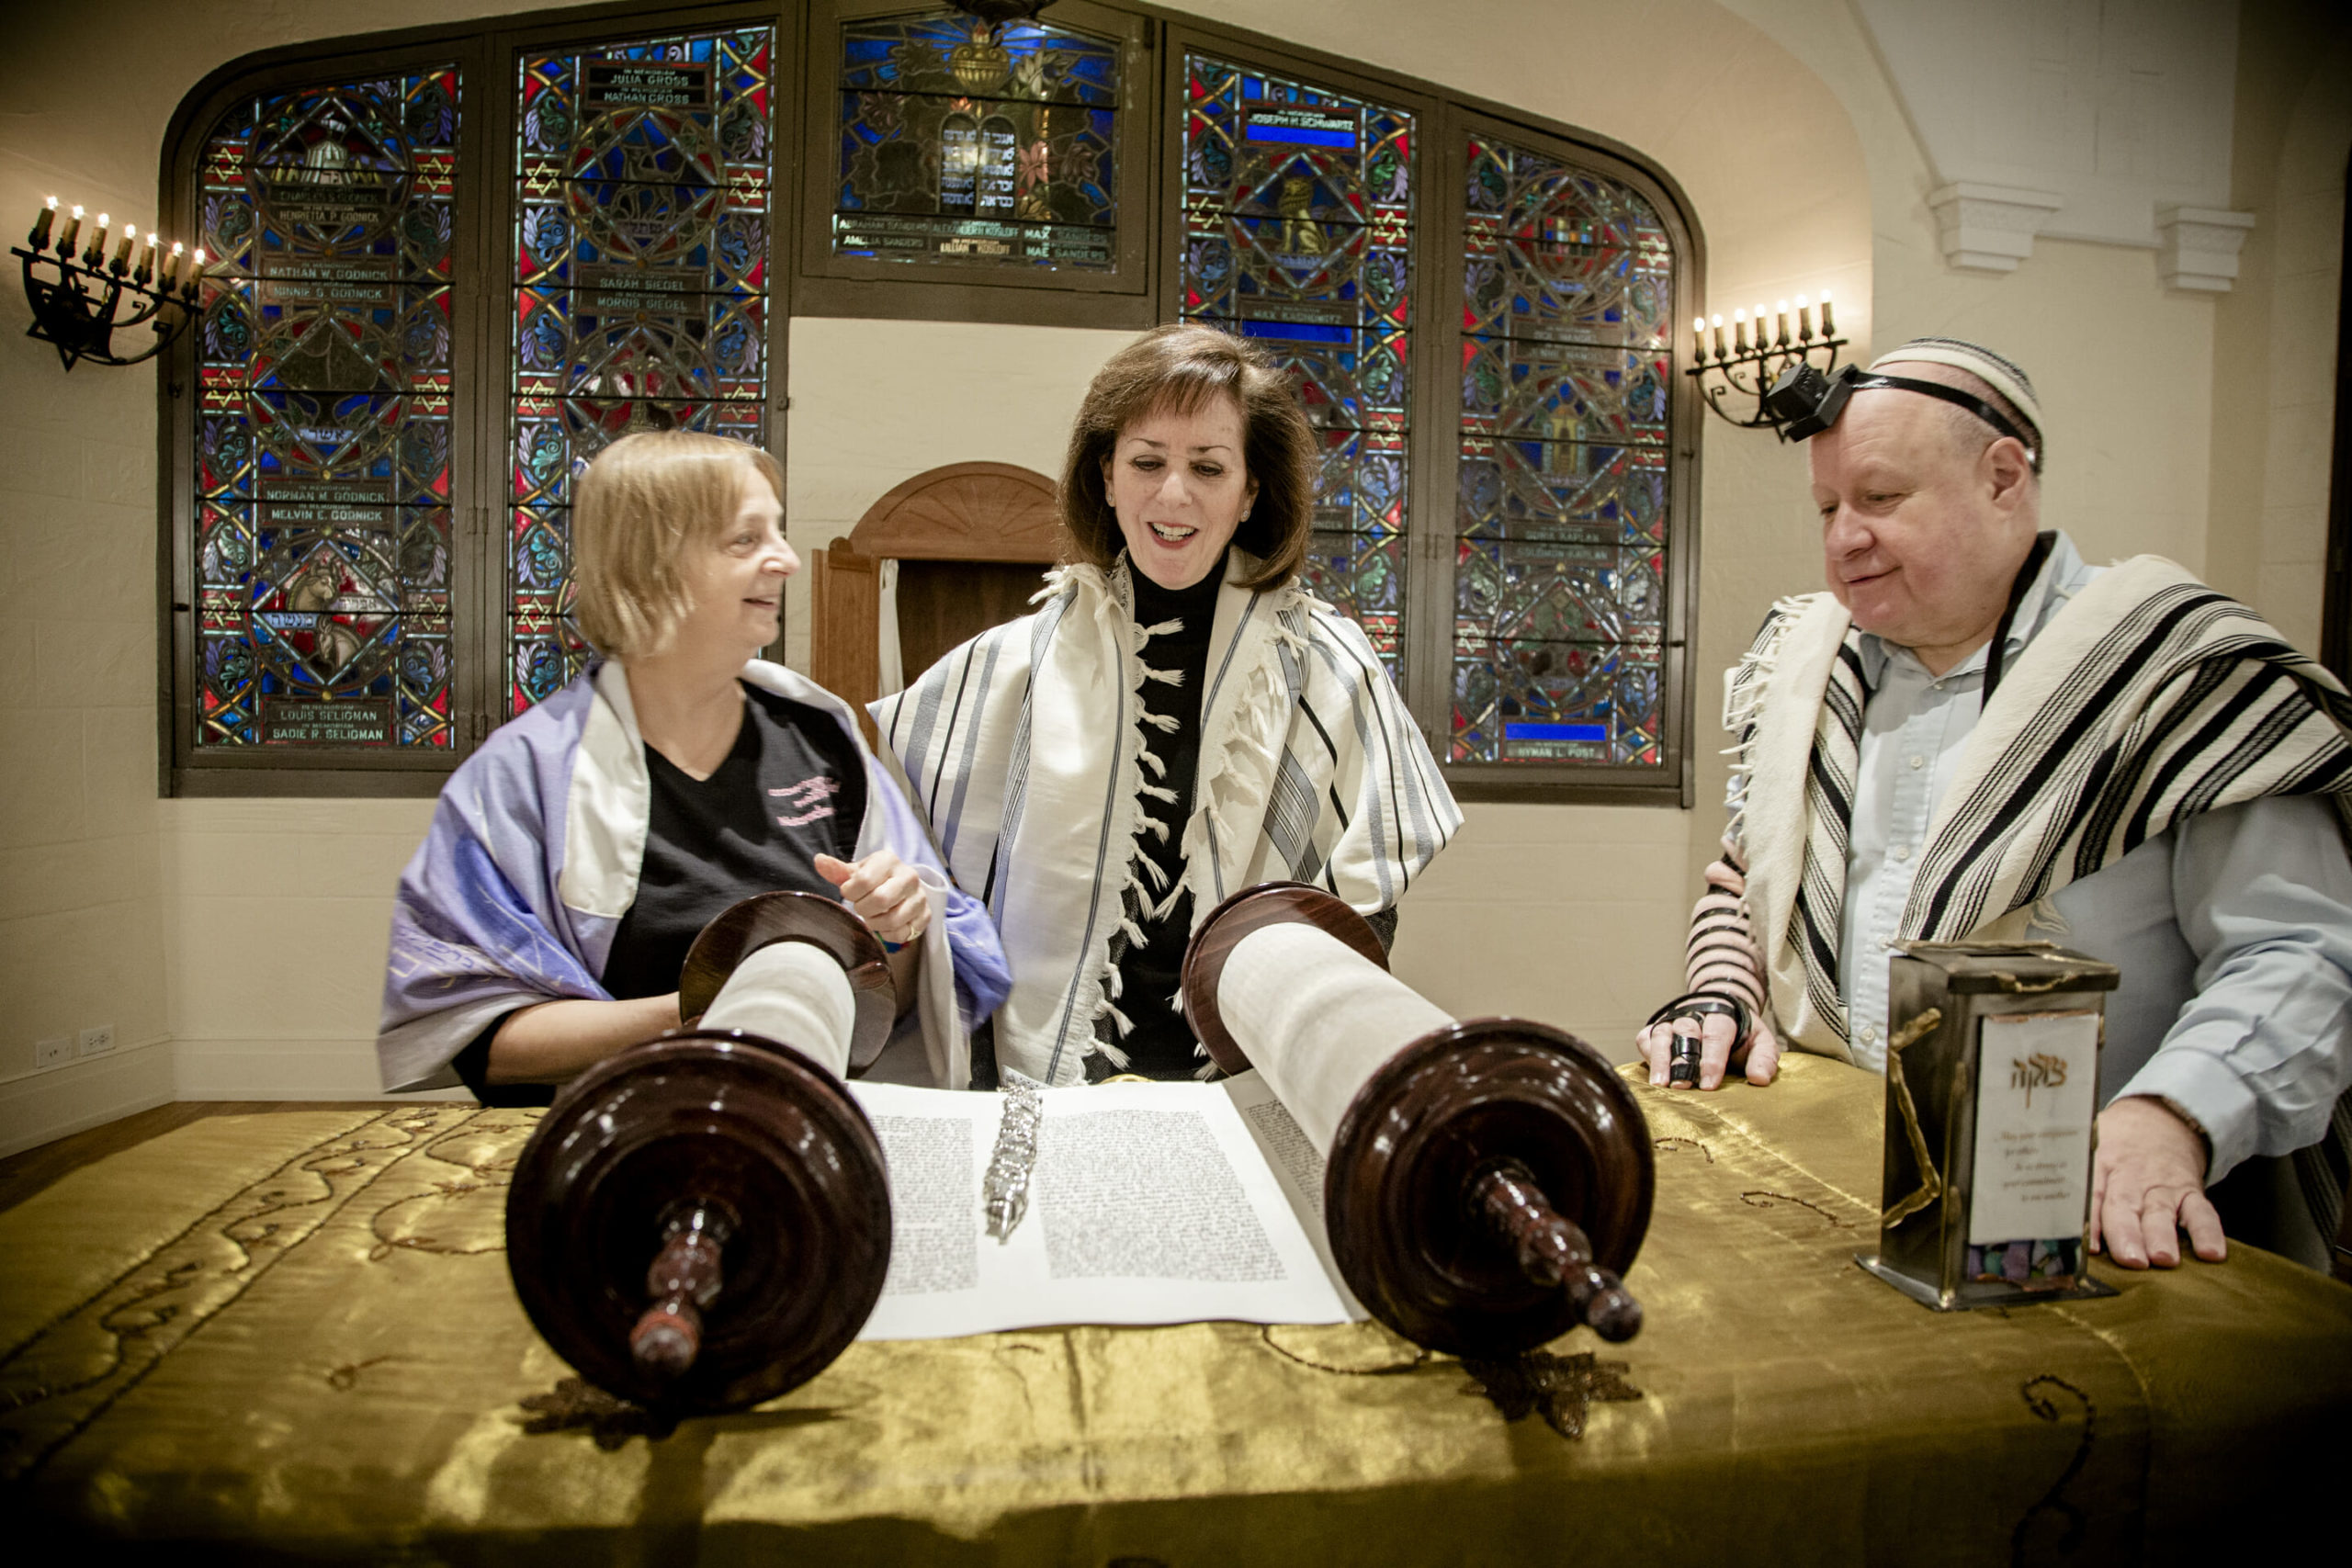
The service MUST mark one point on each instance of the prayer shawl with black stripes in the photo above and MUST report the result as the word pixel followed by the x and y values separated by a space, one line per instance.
pixel 1027 747
pixel 2147 699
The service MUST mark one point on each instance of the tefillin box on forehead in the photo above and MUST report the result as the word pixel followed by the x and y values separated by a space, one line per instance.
pixel 1992 1086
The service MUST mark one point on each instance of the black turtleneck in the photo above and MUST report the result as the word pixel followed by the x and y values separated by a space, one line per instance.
pixel 1159 1046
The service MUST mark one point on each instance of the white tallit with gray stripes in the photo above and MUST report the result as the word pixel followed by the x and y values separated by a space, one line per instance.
pixel 1028 749
pixel 2148 699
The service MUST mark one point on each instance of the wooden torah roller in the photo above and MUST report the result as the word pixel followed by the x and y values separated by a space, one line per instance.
pixel 1486 1181
pixel 703 1222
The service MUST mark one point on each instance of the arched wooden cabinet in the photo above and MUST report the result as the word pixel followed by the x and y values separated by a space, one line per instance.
pixel 971 540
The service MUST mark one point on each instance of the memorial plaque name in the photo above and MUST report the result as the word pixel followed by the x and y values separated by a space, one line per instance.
pixel 307 515
pixel 634 288
pixel 343 492
pixel 305 721
pixel 647 84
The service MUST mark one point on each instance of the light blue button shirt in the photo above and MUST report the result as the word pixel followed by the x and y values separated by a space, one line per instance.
pixel 2233 931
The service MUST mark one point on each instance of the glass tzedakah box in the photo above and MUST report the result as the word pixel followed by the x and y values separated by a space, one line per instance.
pixel 1992 1091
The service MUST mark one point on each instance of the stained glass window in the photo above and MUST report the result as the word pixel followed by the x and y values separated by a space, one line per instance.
pixel 1561 543
pixel 323 540
pixel 1299 233
pixel 641 211
pixel 964 143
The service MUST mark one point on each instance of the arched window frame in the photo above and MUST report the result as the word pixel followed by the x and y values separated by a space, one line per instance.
pixel 483 251
pixel 804 281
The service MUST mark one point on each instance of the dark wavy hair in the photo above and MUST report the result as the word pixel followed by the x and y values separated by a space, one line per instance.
pixel 1176 369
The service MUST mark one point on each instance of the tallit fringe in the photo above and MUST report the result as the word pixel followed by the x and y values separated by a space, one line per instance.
pixel 1743 693
pixel 1112 600
pixel 1165 677
pixel 1249 729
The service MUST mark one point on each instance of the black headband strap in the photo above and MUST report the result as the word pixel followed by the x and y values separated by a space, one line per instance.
pixel 1870 380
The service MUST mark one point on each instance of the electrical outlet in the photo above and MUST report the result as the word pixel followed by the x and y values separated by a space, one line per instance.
pixel 96 1039
pixel 55 1049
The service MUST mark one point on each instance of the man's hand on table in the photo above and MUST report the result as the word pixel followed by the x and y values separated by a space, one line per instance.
pixel 1760 1057
pixel 2148 1185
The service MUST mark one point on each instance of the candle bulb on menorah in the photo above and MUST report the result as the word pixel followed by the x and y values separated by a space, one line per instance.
pixel 169 278
pixel 84 294
pixel 1804 321
pixel 1828 327
pixel 1699 339
pixel 195 284
pixel 1719 339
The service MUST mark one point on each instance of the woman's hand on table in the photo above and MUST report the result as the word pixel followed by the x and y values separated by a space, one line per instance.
pixel 884 891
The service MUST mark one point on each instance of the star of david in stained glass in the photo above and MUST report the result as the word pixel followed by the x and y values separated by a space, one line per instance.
pixel 643 189
pixel 1298 224
pixel 323 443
pixel 1562 551
pixel 979 146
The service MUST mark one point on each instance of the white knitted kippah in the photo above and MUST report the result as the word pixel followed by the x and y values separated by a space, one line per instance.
pixel 1980 362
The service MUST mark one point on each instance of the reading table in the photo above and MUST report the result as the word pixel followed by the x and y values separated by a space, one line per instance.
pixel 293 1336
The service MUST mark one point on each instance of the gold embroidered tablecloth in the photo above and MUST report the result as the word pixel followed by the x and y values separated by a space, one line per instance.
pixel 292 1336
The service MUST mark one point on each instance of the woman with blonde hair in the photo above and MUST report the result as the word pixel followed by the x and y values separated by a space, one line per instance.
pixel 1179 720
pixel 571 860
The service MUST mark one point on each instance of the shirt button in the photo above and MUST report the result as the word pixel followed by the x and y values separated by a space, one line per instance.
pixel 1901 852
pixel 1918 762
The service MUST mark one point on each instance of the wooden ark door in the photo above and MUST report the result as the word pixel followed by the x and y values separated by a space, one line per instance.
pixel 972 541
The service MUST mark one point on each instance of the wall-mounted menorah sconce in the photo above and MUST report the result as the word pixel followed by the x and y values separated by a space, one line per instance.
pixel 1746 368
pixel 81 302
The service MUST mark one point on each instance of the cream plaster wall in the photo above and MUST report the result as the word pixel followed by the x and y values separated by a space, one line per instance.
pixel 116 907
pixel 2275 332
pixel 251 932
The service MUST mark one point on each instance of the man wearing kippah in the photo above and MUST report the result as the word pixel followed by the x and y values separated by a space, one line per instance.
pixel 1972 734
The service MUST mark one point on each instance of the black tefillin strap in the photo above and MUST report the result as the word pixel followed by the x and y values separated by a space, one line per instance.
pixel 1683 1050
pixel 1804 403
pixel 1998 653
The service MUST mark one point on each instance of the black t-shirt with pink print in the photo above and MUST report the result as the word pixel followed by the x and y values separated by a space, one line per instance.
pixel 792 789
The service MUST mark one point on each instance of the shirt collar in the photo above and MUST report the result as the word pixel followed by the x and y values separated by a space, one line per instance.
pixel 2062 576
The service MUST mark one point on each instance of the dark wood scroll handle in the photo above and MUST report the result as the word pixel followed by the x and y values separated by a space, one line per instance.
pixel 683 1281
pixel 1553 1250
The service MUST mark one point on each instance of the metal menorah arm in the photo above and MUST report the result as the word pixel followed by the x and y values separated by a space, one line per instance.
pixel 81 321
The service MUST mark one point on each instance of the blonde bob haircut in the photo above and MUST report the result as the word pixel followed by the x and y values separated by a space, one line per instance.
pixel 642 502
pixel 1176 369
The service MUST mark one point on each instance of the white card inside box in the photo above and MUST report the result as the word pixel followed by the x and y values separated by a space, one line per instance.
pixel 2037 1090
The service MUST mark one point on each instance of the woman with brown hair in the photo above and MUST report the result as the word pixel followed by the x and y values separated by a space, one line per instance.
pixel 1179 720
